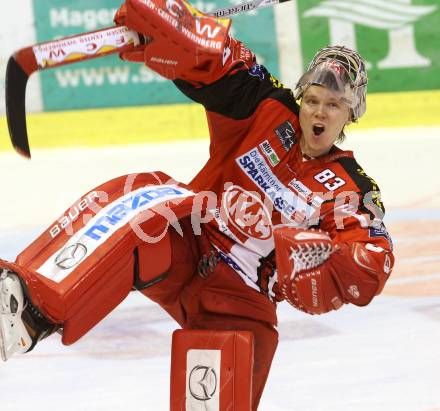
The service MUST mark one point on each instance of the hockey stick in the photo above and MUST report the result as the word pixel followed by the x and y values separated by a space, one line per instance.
pixel 73 49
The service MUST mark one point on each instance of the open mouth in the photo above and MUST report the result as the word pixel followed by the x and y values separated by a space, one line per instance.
pixel 318 130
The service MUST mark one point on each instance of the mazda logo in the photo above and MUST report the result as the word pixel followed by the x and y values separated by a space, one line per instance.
pixel 71 256
pixel 202 382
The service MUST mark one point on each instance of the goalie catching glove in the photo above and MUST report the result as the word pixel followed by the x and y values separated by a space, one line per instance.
pixel 317 274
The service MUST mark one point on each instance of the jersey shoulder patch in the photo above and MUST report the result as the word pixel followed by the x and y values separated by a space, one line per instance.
pixel 368 187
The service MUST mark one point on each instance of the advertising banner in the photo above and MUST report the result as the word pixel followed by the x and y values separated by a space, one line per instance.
pixel 398 38
pixel 108 81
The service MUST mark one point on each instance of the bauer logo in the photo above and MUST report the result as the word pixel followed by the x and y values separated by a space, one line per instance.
pixel 104 224
pixel 396 38
pixel 73 214
pixel 203 380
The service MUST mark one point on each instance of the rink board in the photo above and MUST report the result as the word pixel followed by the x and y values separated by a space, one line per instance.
pixel 175 122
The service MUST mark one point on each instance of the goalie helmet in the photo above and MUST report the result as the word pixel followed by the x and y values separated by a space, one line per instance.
pixel 341 70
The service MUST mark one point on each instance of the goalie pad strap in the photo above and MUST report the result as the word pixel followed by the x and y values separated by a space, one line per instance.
pixel 148 268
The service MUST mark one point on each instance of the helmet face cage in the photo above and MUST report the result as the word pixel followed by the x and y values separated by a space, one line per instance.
pixel 342 70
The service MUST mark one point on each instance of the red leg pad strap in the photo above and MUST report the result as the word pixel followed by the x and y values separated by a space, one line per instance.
pixel 211 370
pixel 153 262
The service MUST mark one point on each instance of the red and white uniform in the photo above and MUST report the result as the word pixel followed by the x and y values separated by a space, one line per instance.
pixel 257 170
pixel 87 262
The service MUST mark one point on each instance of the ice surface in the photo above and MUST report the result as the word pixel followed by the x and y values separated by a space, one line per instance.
pixel 384 357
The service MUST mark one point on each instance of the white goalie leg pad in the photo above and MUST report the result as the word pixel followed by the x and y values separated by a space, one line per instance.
pixel 14 337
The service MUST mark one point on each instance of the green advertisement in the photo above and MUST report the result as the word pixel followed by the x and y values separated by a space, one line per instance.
pixel 108 81
pixel 398 38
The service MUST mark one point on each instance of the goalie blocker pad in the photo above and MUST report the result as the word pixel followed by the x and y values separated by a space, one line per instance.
pixel 183 42
pixel 211 370
pixel 87 261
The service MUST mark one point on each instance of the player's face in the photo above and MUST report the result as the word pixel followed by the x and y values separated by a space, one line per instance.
pixel 322 117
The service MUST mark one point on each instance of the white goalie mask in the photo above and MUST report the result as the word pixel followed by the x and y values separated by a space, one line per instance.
pixel 342 71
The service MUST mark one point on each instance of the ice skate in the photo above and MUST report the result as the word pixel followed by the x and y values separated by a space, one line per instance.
pixel 14 336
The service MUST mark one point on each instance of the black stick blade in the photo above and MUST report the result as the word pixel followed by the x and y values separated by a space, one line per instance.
pixel 16 80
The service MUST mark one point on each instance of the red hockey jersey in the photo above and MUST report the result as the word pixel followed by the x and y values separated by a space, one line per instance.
pixel 261 179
